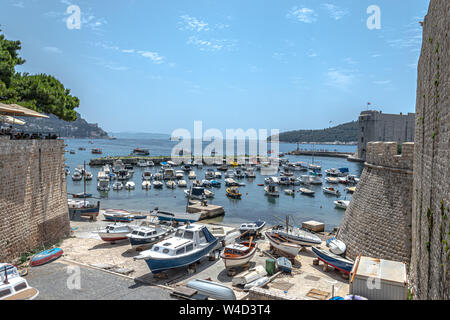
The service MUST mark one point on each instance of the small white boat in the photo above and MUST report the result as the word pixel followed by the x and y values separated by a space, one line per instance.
pixel 336 246
pixel 147 175
pixel 342 204
pixel 230 182
pixel 288 248
pixel 307 192
pixel 209 194
pixel 249 276
pixel 157 184
pixel 142 163
pixel 103 184
pixel 146 185
pixel 205 183
pixel 331 190
pixel 229 174
pixel 252 228
pixel 238 254
pixel 289 192
pixel 332 180
pixel 13 286
pixel 271 190
pixel 115 232
pixel 209 174
pixel 117 185
pixel 179 174
pixel 217 175
pixel 144 236
pixel 171 184
pixel 77 176
pixel 192 175
pixel 88 176
pixel 197 193
pixel 158 176
pixel 130 185
pixel 250 173
pixel 150 163
pixel 182 183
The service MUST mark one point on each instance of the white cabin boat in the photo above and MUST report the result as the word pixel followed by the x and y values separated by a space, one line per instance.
pixel 171 184
pixel 147 175
pixel 342 204
pixel 182 183
pixel 117 185
pixel 157 184
pixel 189 244
pixel 130 185
pixel 169 174
pixel 192 175
pixel 13 286
pixel 115 232
pixel 271 190
pixel 331 190
pixel 146 185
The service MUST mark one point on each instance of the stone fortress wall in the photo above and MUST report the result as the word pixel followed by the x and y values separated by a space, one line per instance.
pixel 377 222
pixel 377 126
pixel 431 191
pixel 33 196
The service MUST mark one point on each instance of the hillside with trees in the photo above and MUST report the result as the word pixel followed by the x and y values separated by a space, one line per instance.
pixel 344 133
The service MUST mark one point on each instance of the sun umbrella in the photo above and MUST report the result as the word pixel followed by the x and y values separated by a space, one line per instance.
pixel 11 120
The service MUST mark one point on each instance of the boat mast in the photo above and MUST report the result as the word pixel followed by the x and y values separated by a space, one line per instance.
pixel 84 183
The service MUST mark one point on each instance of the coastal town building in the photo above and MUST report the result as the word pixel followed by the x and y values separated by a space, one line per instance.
pixel 378 126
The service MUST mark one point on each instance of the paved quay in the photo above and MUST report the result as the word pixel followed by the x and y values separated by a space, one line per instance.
pixel 51 281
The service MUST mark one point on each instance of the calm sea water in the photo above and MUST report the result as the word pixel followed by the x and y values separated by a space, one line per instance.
pixel 253 205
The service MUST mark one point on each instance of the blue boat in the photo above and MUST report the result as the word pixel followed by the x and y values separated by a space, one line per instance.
pixel 46 256
pixel 334 260
pixel 215 183
pixel 144 236
pixel 183 217
pixel 189 244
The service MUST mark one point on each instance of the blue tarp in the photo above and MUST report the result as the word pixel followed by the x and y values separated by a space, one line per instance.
pixel 209 237
pixel 343 170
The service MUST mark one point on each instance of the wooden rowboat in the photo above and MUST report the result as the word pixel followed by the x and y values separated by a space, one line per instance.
pixel 238 254
pixel 288 248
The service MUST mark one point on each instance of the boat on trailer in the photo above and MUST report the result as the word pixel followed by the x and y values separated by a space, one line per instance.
pixel 338 262
pixel 189 244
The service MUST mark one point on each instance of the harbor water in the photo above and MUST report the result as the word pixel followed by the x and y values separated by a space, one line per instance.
pixel 254 204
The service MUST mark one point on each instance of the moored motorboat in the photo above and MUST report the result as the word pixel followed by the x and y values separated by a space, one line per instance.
pixel 189 244
pixel 157 184
pixel 233 192
pixel 182 183
pixel 271 190
pixel 331 190
pixel 117 185
pixel 307 192
pixel 197 193
pixel 130 185
pixel 342 204
pixel 338 262
pixel 146 185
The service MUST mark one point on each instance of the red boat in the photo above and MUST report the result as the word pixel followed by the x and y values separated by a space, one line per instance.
pixel 46 256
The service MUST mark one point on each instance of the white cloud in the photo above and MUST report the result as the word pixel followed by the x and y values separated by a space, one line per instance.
pixel 311 54
pixel 52 50
pixel 154 56
pixel 350 61
pixel 128 51
pixel 382 82
pixel 193 24
pixel 376 55
pixel 334 11
pixel 305 15
pixel 19 4
pixel 341 79
pixel 213 45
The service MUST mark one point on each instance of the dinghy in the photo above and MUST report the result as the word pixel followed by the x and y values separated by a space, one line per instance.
pixel 189 244
pixel 117 186
pixel 182 183
pixel 212 289
pixel 249 276
pixel 334 260
pixel 289 192
pixel 171 184
pixel 238 254
pixel 46 256
pixel 157 184
pixel 118 215
pixel 336 246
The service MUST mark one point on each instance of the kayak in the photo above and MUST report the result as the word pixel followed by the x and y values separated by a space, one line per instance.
pixel 46 256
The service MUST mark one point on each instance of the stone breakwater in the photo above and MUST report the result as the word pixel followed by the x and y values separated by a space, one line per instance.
pixel 33 197
pixel 377 222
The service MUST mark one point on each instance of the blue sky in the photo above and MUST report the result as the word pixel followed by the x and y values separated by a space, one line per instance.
pixel 154 66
